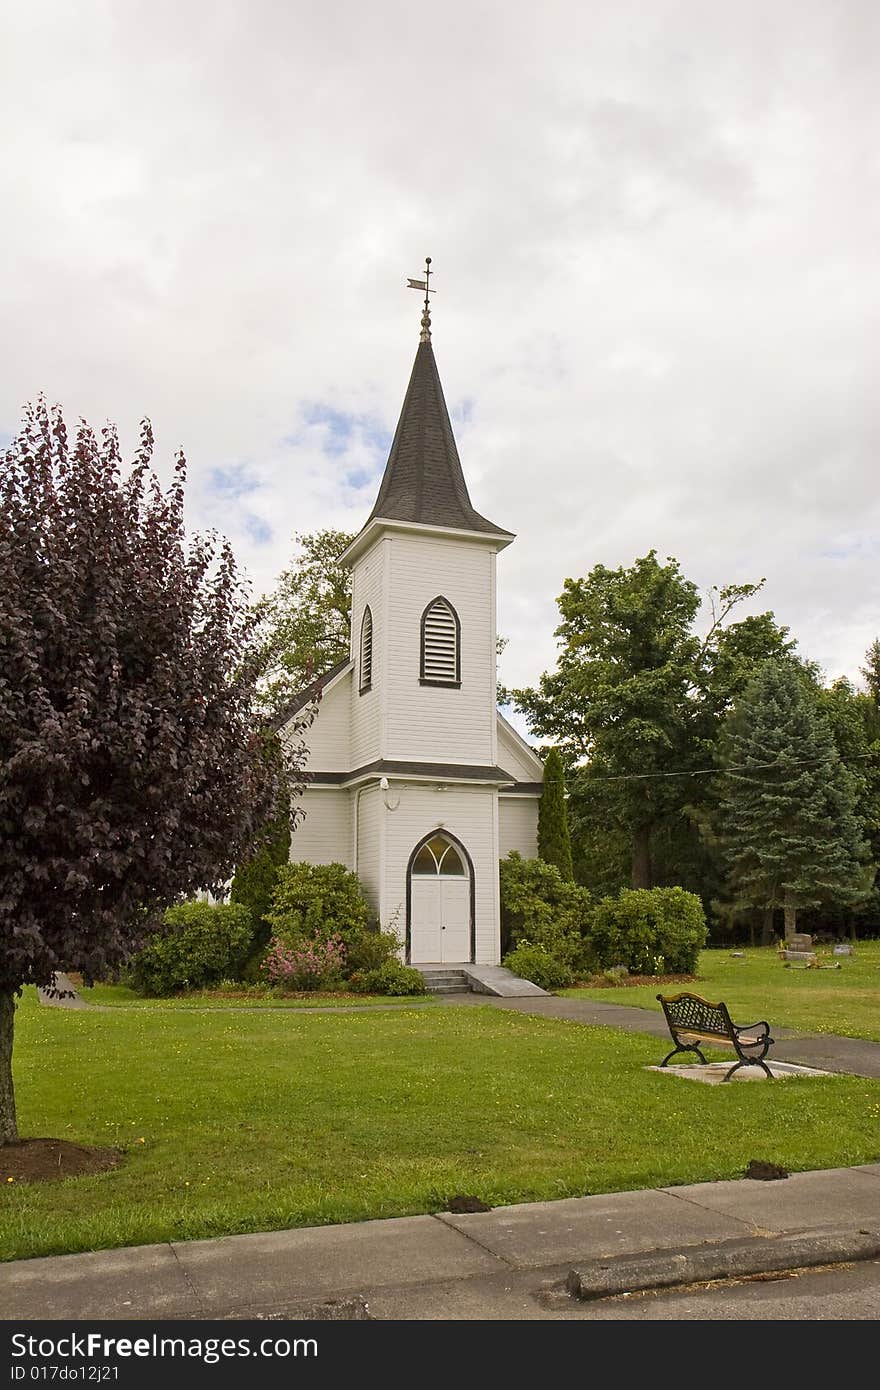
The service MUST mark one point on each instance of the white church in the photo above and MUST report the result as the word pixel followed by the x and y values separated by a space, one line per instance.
pixel 417 782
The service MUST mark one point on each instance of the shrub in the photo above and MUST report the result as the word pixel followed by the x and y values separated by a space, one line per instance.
pixel 652 931
pixel 314 902
pixel 312 964
pixel 371 951
pixel 532 961
pixel 198 944
pixel 390 978
pixel 540 906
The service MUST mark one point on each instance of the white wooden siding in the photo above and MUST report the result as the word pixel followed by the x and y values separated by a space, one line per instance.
pixel 467 813
pixel 329 739
pixel 515 759
pixel 427 723
pixel 365 710
pixel 324 835
pixel 518 825
pixel 367 809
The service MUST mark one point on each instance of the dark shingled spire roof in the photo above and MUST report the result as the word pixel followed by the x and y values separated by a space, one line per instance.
pixel 423 481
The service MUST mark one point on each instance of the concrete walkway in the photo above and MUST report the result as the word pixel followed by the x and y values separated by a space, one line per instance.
pixel 510 1263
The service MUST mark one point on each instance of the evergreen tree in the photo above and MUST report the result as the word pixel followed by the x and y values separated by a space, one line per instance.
pixel 787 821
pixel 256 877
pixel 554 841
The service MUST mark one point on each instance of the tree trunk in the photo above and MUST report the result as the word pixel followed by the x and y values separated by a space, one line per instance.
pixel 751 931
pixel 641 857
pixel 790 912
pixel 767 927
pixel 8 1126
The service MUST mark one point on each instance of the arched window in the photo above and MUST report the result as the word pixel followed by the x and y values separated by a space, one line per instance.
pixel 366 679
pixel 441 644
pixel 438 856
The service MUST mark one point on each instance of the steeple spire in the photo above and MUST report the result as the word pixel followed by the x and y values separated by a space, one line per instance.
pixel 423 483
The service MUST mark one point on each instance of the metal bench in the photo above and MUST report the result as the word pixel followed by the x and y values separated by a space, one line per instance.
pixel 694 1021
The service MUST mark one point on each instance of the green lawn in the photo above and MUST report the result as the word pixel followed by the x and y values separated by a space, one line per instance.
pixel 248 1121
pixel 120 996
pixel 845 1001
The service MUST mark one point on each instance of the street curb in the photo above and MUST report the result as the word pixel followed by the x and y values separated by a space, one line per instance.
pixel 728 1259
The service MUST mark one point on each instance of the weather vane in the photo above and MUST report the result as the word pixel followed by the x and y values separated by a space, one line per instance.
pixel 425 336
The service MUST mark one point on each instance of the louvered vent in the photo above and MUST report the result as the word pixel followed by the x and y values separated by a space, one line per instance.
pixel 366 651
pixel 440 659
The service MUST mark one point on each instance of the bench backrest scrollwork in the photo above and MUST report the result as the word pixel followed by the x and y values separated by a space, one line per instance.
pixel 688 1013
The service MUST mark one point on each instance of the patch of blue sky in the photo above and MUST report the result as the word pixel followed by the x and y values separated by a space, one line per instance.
pixel 462 412
pixel 232 482
pixel 361 477
pixel 257 529
pixel 341 429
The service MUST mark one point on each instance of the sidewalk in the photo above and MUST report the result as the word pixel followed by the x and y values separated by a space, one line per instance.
pixel 511 1263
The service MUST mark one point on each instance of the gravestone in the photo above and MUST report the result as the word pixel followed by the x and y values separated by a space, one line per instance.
pixel 842 950
pixel 800 941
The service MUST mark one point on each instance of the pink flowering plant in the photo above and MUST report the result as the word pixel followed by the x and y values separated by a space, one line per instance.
pixel 305 964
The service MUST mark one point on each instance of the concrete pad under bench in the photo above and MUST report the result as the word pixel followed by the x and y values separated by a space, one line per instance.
pixel 713 1073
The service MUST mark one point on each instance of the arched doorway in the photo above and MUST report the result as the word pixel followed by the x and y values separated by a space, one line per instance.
pixel 440 901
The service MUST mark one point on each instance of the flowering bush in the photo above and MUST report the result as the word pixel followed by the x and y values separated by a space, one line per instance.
pixel 308 964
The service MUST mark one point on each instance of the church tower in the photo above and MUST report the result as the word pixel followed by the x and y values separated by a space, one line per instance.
pixel 420 748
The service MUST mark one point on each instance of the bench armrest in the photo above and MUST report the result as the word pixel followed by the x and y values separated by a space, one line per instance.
pixel 761 1029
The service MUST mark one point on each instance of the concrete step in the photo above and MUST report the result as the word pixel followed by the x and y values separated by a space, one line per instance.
pixel 439 980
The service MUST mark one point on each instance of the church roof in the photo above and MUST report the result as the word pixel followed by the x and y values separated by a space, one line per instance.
pixel 423 481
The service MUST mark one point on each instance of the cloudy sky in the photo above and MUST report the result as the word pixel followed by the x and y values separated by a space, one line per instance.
pixel 654 226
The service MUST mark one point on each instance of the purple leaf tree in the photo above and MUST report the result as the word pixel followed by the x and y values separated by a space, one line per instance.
pixel 133 766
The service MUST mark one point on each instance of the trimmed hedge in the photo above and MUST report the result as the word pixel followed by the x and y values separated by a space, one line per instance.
pixel 652 931
pixel 198 945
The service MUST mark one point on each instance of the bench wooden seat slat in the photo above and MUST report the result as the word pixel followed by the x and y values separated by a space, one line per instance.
pixel 693 1020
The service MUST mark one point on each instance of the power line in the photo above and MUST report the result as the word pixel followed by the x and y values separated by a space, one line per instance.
pixel 719 771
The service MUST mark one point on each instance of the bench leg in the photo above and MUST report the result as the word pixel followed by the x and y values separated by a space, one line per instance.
pixel 676 1050
pixel 749 1062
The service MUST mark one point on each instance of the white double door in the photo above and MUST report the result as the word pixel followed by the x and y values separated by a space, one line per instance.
pixel 440 920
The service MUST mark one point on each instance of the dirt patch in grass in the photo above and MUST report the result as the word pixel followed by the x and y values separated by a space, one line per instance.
pixel 48 1160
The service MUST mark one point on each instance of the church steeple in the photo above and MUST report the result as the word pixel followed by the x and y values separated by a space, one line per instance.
pixel 423 481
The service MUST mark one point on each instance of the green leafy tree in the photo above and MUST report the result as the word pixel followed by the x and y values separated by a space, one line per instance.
pixel 787 820
pixel 637 695
pixel 305 622
pixel 871 671
pixel 554 841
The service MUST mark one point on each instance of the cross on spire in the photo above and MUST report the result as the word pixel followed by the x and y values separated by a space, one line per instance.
pixel 425 335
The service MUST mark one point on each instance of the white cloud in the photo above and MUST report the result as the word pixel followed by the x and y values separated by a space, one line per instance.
pixel 654 229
